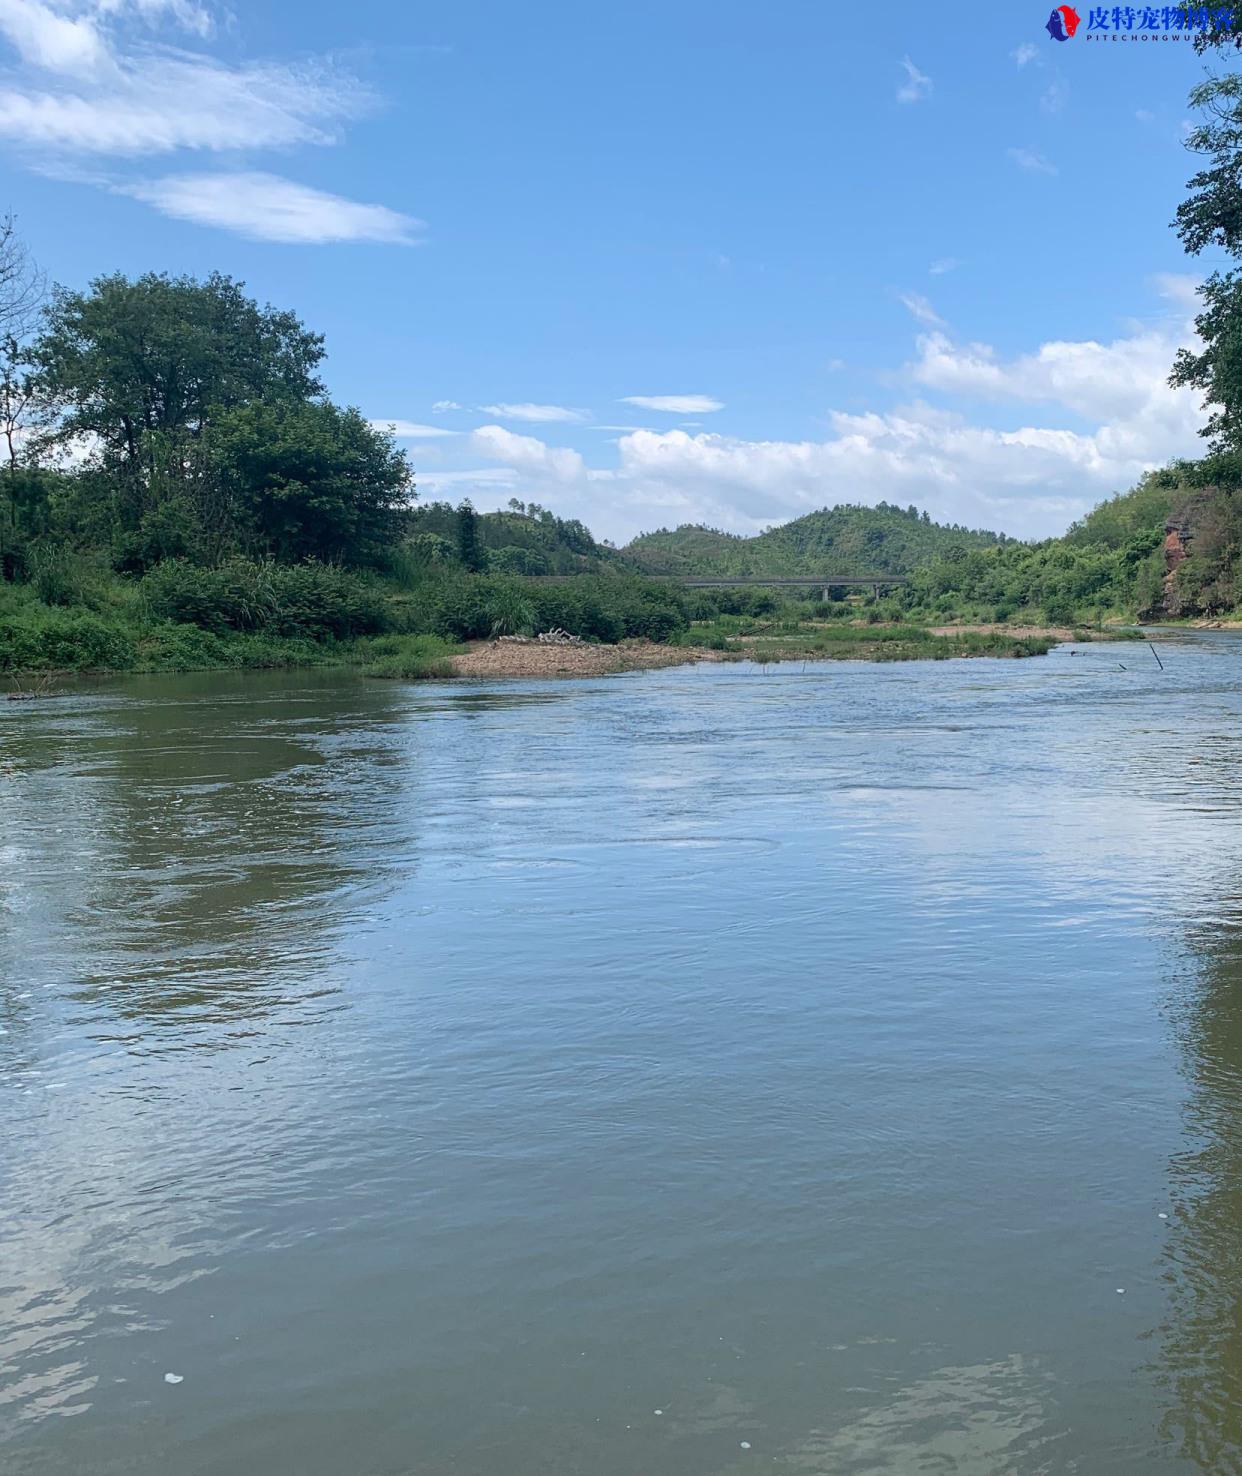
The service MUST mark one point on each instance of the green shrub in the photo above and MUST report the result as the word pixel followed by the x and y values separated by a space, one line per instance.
pixel 233 596
pixel 410 658
pixel 319 600
pixel 171 647
pixel 654 622
pixel 460 612
pixel 59 576
pixel 309 600
pixel 509 611
pixel 33 640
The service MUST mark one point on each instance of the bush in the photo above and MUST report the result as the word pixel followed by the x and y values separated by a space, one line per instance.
pixel 319 600
pixel 509 611
pixel 460 612
pixel 34 640
pixel 410 658
pixel 1059 610
pixel 655 623
pixel 52 576
pixel 308 600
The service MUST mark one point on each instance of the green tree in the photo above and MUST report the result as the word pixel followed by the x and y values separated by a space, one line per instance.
pixel 1211 216
pixel 143 366
pixel 469 550
pixel 296 480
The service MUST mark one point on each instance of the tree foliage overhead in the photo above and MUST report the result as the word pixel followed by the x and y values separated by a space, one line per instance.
pixel 1211 216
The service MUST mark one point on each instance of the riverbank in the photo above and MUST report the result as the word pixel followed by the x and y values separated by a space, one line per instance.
pixel 534 659
pixel 414 658
pixel 511 659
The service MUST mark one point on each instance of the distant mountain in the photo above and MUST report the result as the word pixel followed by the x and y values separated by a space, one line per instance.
pixel 838 540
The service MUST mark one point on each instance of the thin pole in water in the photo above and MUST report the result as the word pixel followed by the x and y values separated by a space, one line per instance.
pixel 1156 654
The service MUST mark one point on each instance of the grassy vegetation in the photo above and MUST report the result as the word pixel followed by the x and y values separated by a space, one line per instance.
pixel 78 614
pixel 786 639
pixel 409 657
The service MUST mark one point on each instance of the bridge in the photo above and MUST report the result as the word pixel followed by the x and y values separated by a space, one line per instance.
pixel 825 582
pixel 766 581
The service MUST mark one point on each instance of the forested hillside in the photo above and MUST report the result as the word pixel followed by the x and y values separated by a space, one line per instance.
pixel 841 540
pixel 521 539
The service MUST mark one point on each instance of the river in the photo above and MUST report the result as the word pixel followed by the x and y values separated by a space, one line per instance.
pixel 702 1072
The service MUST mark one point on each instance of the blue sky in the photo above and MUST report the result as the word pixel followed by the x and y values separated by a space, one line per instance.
pixel 655 263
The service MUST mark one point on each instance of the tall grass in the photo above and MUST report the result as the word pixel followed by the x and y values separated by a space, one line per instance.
pixel 409 657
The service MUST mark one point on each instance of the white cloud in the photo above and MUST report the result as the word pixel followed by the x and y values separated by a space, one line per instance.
pixel 1030 160
pixel 919 307
pixel 527 454
pixel 675 404
pixel 1181 288
pixel 1025 53
pixel 535 413
pixel 1144 116
pixel 1074 421
pixel 917 85
pixel 95 81
pixel 265 207
pixel 89 87
pixel 185 13
pixel 485 477
pixel 1122 383
pixel 410 430
pixel 944 264
pixel 70 45
pixel 1054 96
pixel 1030 481
pixel 441 406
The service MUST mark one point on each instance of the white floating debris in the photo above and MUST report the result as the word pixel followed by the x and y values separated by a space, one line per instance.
pixel 1121 1291
pixel 172 1378
pixel 745 1444
pixel 1162 1216
pixel 657 1411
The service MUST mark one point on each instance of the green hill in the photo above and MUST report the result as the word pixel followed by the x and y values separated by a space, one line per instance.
pixel 1113 562
pixel 524 539
pixel 839 540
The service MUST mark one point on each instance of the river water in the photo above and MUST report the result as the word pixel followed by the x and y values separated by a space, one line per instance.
pixel 717 1070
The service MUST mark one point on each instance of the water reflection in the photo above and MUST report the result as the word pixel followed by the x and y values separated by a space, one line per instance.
pixel 973 1421
pixel 688 1074
pixel 179 869
pixel 1201 1338
pixel 206 848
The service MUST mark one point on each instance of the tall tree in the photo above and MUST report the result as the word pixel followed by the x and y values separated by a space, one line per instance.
pixel 23 407
pixel 469 550
pixel 1211 215
pixel 142 367
pixel 22 284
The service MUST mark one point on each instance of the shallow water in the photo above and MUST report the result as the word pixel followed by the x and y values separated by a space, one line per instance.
pixel 705 1071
